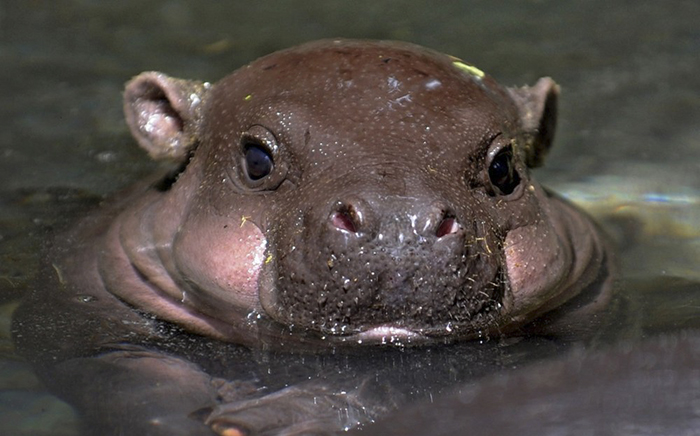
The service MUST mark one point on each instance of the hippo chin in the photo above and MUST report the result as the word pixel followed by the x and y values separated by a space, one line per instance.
pixel 339 192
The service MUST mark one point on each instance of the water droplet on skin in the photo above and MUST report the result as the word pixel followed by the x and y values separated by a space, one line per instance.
pixel 432 84
pixel 86 298
pixel 393 83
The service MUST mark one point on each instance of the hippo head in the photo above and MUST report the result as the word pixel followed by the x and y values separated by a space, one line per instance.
pixel 354 191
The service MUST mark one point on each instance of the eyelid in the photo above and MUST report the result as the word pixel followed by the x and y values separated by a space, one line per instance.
pixel 495 146
pixel 260 134
pixel 248 142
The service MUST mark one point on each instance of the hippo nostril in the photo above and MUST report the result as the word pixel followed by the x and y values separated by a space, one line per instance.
pixel 349 215
pixel 447 226
pixel 344 221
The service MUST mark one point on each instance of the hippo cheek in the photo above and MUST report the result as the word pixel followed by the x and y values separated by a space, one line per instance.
pixel 537 266
pixel 221 262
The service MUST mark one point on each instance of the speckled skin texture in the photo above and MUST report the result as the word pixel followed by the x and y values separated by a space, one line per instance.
pixel 378 221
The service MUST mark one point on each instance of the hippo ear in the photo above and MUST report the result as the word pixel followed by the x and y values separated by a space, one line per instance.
pixel 164 114
pixel 538 115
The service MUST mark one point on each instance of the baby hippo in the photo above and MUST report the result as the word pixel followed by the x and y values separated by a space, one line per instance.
pixel 339 193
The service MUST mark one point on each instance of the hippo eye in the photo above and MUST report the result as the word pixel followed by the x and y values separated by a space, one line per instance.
pixel 258 161
pixel 502 173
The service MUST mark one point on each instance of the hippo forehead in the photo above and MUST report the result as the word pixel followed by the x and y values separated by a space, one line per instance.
pixel 379 96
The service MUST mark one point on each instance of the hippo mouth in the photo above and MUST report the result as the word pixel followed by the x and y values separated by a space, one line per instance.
pixel 379 295
pixel 395 336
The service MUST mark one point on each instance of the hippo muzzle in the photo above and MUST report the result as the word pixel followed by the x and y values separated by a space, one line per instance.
pixel 406 264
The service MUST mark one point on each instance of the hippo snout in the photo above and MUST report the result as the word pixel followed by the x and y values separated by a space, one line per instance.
pixel 387 262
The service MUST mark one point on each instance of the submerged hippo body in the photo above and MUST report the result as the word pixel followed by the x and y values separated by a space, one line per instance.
pixel 340 192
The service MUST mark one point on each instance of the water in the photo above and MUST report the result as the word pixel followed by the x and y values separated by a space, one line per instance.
pixel 627 145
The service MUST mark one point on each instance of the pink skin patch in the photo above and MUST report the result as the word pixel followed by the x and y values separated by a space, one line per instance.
pixel 222 259
pixel 536 266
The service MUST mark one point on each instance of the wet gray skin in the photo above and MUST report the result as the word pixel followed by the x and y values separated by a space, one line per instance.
pixel 336 193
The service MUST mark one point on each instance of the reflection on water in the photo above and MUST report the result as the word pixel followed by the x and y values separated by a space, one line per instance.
pixel 626 150
pixel 662 216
